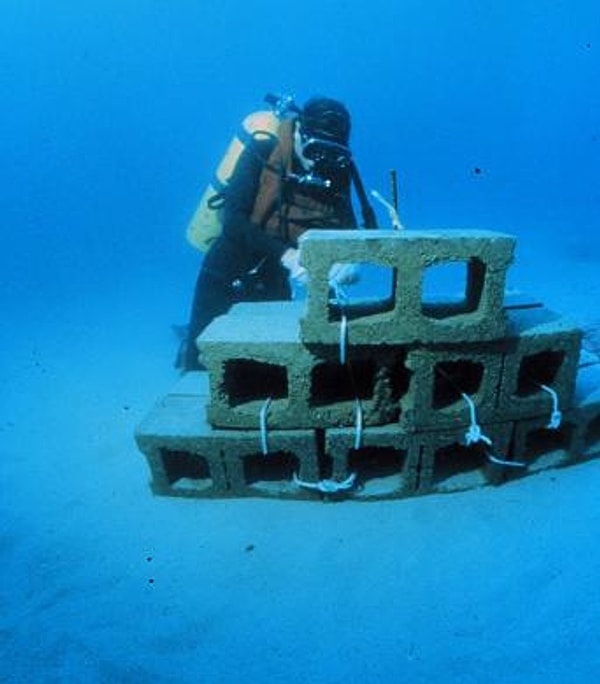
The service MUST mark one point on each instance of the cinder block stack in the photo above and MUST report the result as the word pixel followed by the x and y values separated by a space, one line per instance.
pixel 379 397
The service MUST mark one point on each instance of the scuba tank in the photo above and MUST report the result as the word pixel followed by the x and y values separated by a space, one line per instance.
pixel 206 223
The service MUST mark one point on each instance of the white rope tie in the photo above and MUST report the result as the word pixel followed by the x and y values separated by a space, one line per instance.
pixel 264 441
pixel 474 433
pixel 358 426
pixel 393 213
pixel 556 415
pixel 503 462
pixel 327 486
pixel 343 338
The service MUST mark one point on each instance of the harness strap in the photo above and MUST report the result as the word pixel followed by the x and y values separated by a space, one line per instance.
pixel 368 213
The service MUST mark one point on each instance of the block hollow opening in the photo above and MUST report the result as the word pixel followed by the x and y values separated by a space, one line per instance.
pixel 334 382
pixel 379 470
pixel 592 436
pixel 185 470
pixel 248 380
pixel 538 369
pixel 374 293
pixel 452 378
pixel 273 472
pixel 549 444
pixel 452 288
pixel 457 466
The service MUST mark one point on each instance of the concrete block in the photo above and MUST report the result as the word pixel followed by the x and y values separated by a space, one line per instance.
pixel 542 348
pixel 447 464
pixel 406 315
pixel 254 355
pixel 586 412
pixel 250 472
pixel 182 450
pixel 187 457
pixel 541 447
pixel 439 378
pixel 384 459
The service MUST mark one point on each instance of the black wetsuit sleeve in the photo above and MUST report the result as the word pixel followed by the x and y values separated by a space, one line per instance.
pixel 239 202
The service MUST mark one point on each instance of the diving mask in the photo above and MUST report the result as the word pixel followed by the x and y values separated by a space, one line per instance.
pixel 326 155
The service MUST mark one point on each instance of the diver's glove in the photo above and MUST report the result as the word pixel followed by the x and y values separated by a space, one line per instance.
pixel 291 261
pixel 343 274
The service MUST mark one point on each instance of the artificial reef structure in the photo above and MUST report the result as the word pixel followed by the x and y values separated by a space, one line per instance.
pixel 409 391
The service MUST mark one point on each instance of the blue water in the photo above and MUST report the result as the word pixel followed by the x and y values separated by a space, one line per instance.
pixel 114 115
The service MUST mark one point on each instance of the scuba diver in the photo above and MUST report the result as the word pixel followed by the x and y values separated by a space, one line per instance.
pixel 282 184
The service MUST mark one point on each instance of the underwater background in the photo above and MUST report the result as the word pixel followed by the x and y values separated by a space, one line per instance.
pixel 114 116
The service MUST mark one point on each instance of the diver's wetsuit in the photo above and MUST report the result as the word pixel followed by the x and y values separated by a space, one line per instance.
pixel 244 263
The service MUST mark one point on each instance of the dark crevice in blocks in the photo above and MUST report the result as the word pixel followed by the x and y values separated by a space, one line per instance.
pixel 422 481
pixel 278 466
pixel 334 382
pixel 538 369
pixel 363 309
pixel 452 378
pixel 457 459
pixel 248 380
pixel 592 435
pixel 461 296
pixel 324 460
pixel 376 462
pixel 400 379
pixel 543 441
pixel 182 465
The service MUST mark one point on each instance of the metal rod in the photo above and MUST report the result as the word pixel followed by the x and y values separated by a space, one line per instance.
pixel 394 188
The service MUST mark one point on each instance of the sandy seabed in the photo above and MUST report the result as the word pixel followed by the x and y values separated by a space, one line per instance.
pixel 102 582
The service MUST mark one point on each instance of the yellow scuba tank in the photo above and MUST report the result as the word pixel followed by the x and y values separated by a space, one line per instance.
pixel 205 226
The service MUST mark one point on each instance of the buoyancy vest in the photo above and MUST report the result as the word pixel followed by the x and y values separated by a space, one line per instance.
pixel 287 209
pixel 283 210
